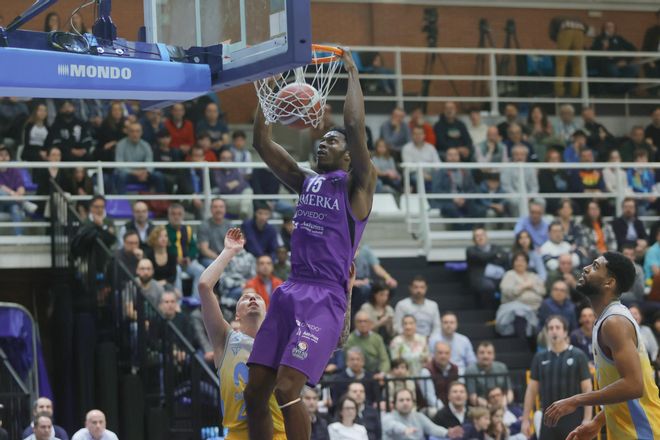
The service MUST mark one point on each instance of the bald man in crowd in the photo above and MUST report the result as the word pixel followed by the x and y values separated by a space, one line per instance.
pixel 94 428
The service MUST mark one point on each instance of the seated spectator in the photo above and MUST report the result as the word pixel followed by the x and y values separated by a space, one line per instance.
pixel 565 218
pixel 285 232
pixel 310 398
pixel 573 150
pixel 594 235
pixel 70 134
pixel 451 132
pixel 523 243
pixel 240 269
pixel 128 256
pixel 453 181
pixel 11 184
pixel 646 334
pixel 192 181
pixel 181 130
pixel 162 257
pixel 35 134
pixel 203 141
pixel 240 150
pixel 510 117
pixel 42 428
pixel 462 352
pixel 149 288
pixel 486 264
pixel 61 176
pixel 566 125
pixel 140 223
pixel 370 344
pixel 652 259
pixel 133 149
pixel 389 179
pixel 163 152
pixel 111 131
pixel 282 266
pixel 599 137
pixel 94 428
pixel 395 132
pixel 636 141
pixel 486 374
pixel 260 236
pixel 615 67
pixel 511 178
pixel 398 378
pixel 587 180
pixel 553 180
pixel 556 246
pixel 581 336
pixel 346 428
pixel 637 292
pixel 539 129
pixel 423 309
pixel 152 124
pixel 491 149
pixel 410 346
pixel 169 309
pixel 510 415
pixel 522 294
pixel 265 282
pixel 442 372
pixel 405 422
pixel 455 412
pixel 367 415
pixel 615 177
pixel 652 131
pixel 565 272
pixel 533 224
pixel 628 229
pixel 514 138
pixel 418 119
pixel 213 125
pixel 211 233
pixel 368 270
pixel 419 151
pixel 184 245
pixel 43 405
pixel 355 371
pixel 477 424
pixel 492 206
pixel 558 303
pixel 476 128
pixel 380 311
pixel 642 180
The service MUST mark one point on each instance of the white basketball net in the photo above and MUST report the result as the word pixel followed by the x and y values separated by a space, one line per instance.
pixel 320 76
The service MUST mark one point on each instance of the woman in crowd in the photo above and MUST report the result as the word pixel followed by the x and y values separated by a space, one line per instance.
pixel 525 245
pixel 81 185
pixel 539 128
pixel 35 134
pixel 165 263
pixel 52 22
pixel 42 177
pixel 110 132
pixel 389 179
pixel 565 217
pixel 594 235
pixel 648 338
pixel 380 311
pixel 346 428
pixel 410 346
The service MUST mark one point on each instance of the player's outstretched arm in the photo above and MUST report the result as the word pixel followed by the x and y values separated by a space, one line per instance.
pixel 276 157
pixel 619 335
pixel 363 172
pixel 216 326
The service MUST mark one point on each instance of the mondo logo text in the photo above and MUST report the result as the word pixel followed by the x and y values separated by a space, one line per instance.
pixel 91 71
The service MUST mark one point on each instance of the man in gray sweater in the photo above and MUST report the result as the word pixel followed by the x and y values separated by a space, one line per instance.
pixel 134 149
pixel 406 423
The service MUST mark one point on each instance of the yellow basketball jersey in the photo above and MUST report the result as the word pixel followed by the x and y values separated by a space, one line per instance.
pixel 635 419
pixel 233 378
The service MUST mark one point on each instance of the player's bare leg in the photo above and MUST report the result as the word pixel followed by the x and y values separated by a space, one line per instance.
pixel 289 385
pixel 257 393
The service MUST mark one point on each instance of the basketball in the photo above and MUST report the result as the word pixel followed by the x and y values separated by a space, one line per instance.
pixel 297 105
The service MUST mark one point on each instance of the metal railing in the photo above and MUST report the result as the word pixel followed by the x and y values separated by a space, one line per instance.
pixel 14 399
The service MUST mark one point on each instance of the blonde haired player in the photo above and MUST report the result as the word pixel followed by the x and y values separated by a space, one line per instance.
pixel 231 348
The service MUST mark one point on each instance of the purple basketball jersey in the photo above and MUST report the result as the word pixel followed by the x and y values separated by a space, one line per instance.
pixel 326 235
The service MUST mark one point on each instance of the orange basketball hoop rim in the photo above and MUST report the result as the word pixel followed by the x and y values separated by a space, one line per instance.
pixel 335 54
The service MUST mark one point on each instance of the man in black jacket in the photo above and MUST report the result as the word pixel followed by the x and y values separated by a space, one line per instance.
pixel 367 416
pixel 319 424
pixel 70 134
pixel 452 132
pixel 354 371
pixel 486 265
pixel 628 229
pixel 615 67
pixel 455 413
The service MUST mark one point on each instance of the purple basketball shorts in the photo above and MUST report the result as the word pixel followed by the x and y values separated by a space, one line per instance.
pixel 302 327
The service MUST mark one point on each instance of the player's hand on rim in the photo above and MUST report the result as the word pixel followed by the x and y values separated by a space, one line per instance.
pixel 347 58
pixel 234 240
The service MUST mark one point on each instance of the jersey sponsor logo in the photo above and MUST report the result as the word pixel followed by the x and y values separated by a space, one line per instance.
pixel 300 351
pixel 319 201
pixel 546 362
pixel 310 214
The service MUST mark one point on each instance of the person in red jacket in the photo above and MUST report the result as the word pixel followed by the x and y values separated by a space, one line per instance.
pixel 265 282
pixel 181 129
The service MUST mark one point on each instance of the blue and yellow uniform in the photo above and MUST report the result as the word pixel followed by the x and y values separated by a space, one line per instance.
pixel 233 378
pixel 634 419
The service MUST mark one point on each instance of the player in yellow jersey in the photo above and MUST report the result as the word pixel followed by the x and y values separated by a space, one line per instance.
pixel 231 349
pixel 627 389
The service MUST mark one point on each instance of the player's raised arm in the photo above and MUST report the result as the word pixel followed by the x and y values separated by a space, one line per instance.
pixel 216 326
pixel 276 157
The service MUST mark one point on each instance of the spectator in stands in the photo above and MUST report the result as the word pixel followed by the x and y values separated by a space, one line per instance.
pixel 556 246
pixel 260 236
pixel 140 223
pixel 43 428
pixel 231 181
pixel 539 129
pixel 181 130
pixel 192 180
pixel 511 177
pixel 380 311
pixel 310 398
pixel 628 229
pixel 264 283
pixel 149 287
pixel 183 243
pixel 560 372
pixel 423 309
pixel 587 180
pixel 169 309
pixel 491 205
pixel 94 428
pixel 282 266
pixel 485 374
pixel 599 137
pixel 240 151
pixel 13 113
pixel 35 134
pixel 652 131
pixel 453 181
pixel 566 220
pixel 97 217
pixel 211 233
pixel 511 413
pixel 389 179
pixel 642 180
pixel 523 243
pixel 346 428
pixel 477 129
pixel 567 125
pixel 553 180
pixel 652 260
pixel 636 141
pixel 162 257
pixel 355 370
pixel 569 33
pixel 163 153
pixel 419 151
pixel 646 334
pixel 11 184
pixel 70 134
pixel 486 263
pixel 491 149
pixel 43 405
pixel 368 270
pixel 395 131
pixel 285 232
pixel 239 270
pixel 133 149
pixel 462 352
pixel 152 124
pixel 573 150
pixel 442 372
pixel 213 125
pixel 410 346
pixel 516 137
pixel 594 235
pixel 565 272
pixel 651 43
pixel 399 378
pixel 522 294
pixel 558 303
pixel 477 423
pixel 367 415
pixel 533 224
pixel 510 117
pixel 204 141
pixel 111 131
pixel 581 336
pixel 615 177
pixel 615 67
pixel 52 22
pixel 370 343
pixel 128 255
pixel 418 119
pixel 637 291
pixel 451 132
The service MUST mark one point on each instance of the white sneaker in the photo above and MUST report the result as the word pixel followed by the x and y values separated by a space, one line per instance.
pixel 29 207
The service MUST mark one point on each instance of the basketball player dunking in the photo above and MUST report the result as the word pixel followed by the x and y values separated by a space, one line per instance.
pixel 306 314
pixel 628 393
